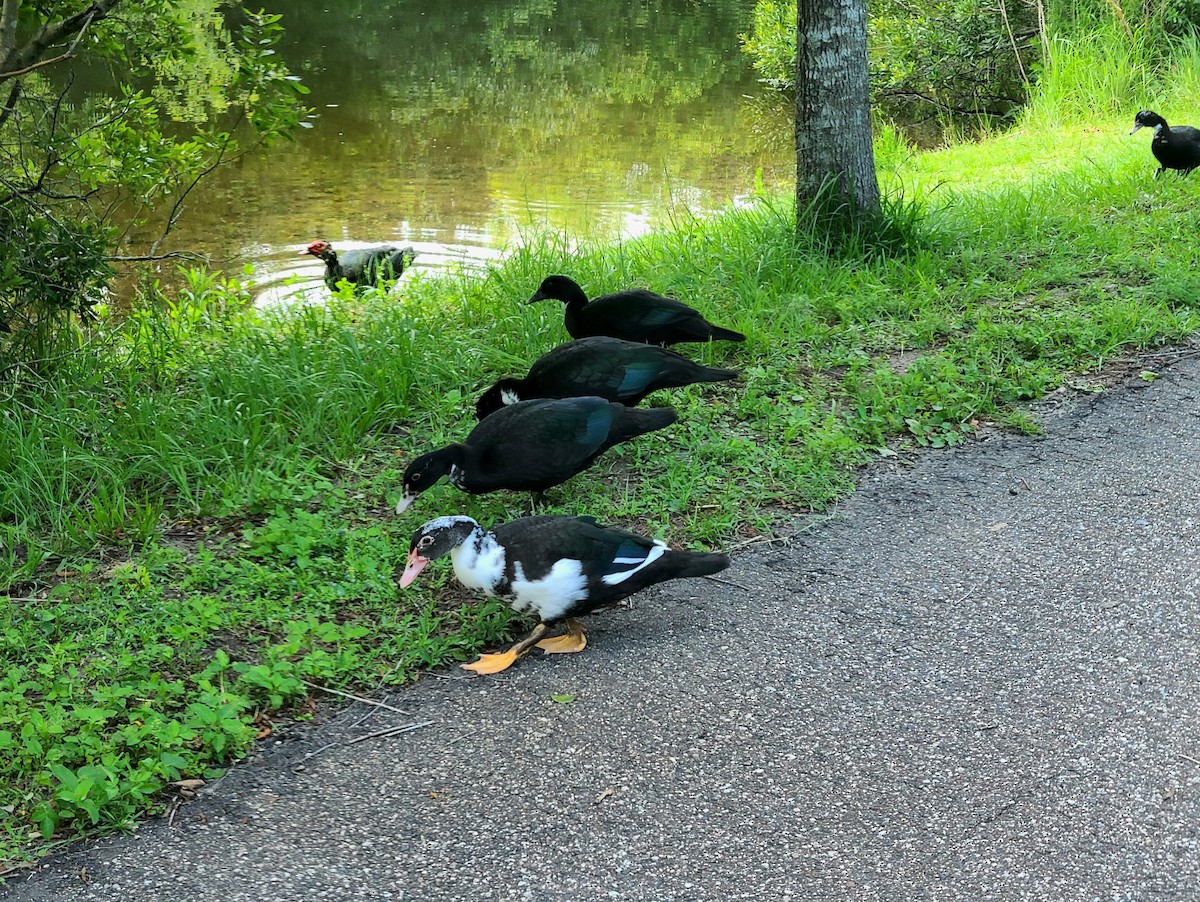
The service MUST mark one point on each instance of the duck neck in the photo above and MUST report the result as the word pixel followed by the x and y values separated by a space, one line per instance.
pixel 574 297
pixel 510 390
pixel 454 458
pixel 479 561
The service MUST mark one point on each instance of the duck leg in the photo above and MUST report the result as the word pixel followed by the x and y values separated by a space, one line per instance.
pixel 573 640
pixel 488 664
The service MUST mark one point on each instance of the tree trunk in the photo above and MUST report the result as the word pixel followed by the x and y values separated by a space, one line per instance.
pixel 833 107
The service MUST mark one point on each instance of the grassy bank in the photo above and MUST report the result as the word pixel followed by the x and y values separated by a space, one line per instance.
pixel 195 513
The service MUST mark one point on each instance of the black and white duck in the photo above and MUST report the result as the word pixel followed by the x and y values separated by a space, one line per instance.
pixel 361 268
pixel 532 445
pixel 634 315
pixel 552 567
pixel 609 368
pixel 1176 147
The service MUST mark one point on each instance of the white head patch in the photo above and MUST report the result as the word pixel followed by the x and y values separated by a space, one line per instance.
pixel 445 523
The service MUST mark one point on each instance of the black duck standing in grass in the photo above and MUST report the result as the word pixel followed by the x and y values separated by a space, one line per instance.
pixel 555 568
pixel 361 268
pixel 532 446
pixel 610 368
pixel 1175 147
pixel 634 315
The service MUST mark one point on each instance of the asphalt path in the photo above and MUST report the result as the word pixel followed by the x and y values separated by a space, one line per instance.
pixel 978 679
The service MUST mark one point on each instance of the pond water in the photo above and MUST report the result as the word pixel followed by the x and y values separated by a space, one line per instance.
pixel 460 127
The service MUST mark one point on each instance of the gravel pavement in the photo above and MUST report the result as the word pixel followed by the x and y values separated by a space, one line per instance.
pixel 979 679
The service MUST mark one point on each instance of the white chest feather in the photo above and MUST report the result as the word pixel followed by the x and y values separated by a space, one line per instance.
pixel 508 396
pixel 553 594
pixel 479 564
pixel 456 476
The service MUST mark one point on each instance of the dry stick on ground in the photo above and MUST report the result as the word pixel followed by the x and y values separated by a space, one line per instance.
pixel 761 540
pixel 963 598
pixel 814 521
pixel 357 698
pixel 391 731
pixel 1172 356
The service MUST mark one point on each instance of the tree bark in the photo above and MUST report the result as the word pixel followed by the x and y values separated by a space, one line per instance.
pixel 10 10
pixel 833 107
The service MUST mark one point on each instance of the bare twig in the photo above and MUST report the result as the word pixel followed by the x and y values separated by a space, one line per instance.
pixel 388 731
pixel 26 59
pixel 1172 356
pixel 1013 40
pixel 357 698
pixel 147 258
pixel 177 207
pixel 326 747
pixel 67 54
pixel 761 540
pixel 1188 758
pixel 41 64
pixel 969 593
pixel 392 731
pixel 1043 32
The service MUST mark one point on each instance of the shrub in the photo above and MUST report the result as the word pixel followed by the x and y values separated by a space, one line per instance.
pixel 956 58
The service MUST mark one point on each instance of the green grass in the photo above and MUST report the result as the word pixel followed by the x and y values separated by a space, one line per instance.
pixel 195 511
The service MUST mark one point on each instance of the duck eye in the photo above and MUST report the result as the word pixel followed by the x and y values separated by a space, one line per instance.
pixel 416 477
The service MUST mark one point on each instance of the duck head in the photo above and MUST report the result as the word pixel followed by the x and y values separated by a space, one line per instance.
pixel 559 288
pixel 425 471
pixel 1149 119
pixel 321 249
pixel 435 539
pixel 504 392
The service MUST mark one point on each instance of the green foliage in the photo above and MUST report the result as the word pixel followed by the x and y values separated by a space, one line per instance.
pixel 240 465
pixel 950 58
pixel 185 94
pixel 50 270
pixel 771 42
pixel 1173 18
pixel 961 60
pixel 1115 69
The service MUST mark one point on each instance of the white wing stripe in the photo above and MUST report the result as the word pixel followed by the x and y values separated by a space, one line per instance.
pixel 613 579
